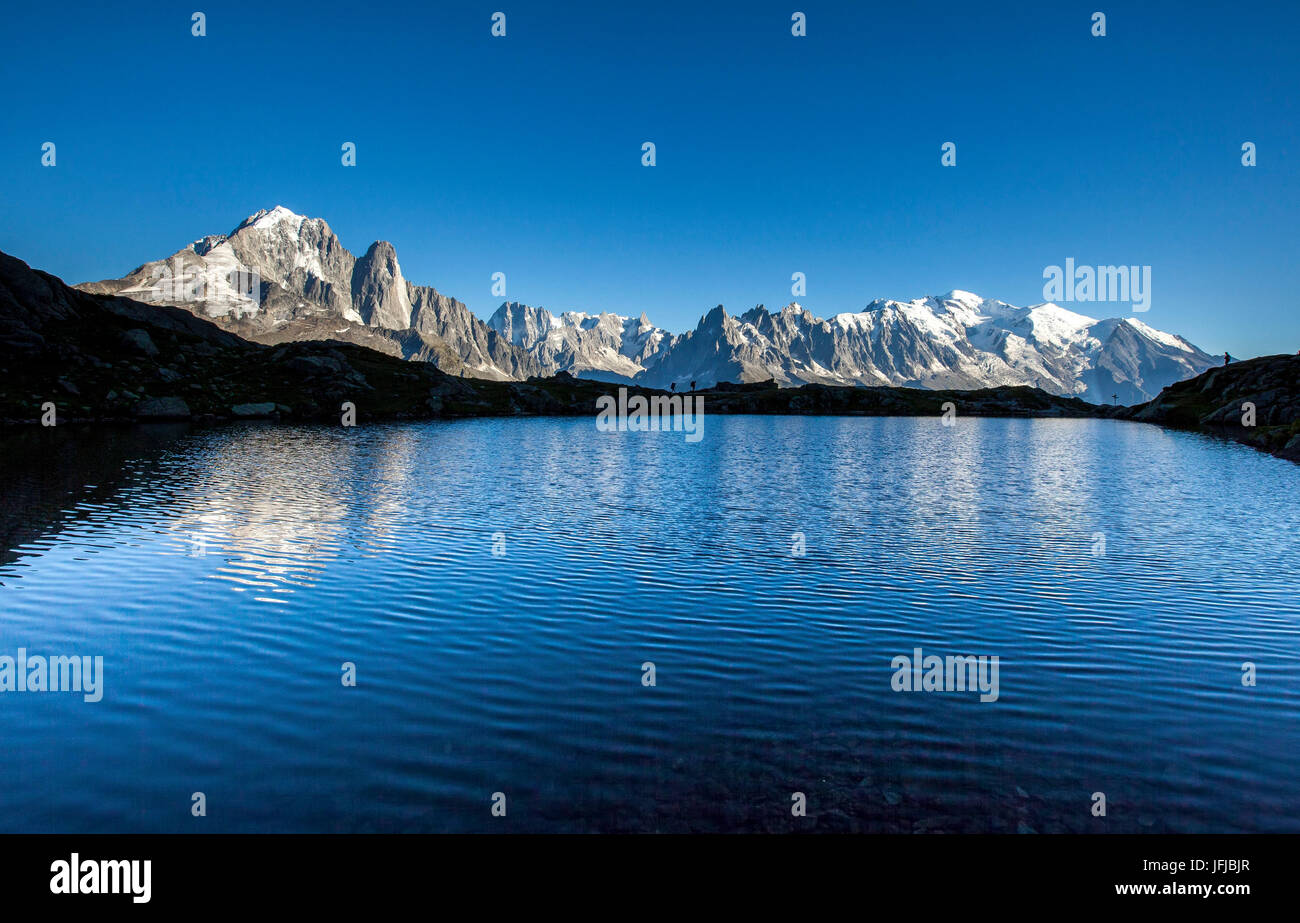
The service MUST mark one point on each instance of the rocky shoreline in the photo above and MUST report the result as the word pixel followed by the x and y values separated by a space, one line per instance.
pixel 98 358
pixel 1255 401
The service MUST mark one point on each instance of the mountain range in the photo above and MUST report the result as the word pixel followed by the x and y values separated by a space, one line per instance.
pixel 281 277
pixel 82 357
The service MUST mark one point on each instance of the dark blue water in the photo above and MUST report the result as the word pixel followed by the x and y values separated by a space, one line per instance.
pixel 521 672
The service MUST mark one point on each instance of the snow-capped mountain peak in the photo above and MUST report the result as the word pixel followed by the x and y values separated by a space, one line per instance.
pixel 263 219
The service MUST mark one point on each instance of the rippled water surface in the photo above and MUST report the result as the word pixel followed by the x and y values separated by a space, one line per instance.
pixel 225 575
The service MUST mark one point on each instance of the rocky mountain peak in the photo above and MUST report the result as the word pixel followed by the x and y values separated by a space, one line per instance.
pixel 379 293
pixel 521 324
pixel 715 319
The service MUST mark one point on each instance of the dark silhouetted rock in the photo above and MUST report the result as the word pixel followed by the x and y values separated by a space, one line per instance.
pixel 163 408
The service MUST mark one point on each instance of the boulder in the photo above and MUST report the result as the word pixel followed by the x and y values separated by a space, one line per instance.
pixel 140 341
pixel 314 365
pixel 163 408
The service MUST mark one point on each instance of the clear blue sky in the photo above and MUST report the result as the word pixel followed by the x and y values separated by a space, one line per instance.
pixel 775 154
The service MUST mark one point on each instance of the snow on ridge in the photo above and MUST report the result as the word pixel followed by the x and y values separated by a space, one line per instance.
pixel 962 297
pixel 1165 339
pixel 1059 326
pixel 1055 308
pixel 264 220
pixel 278 215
